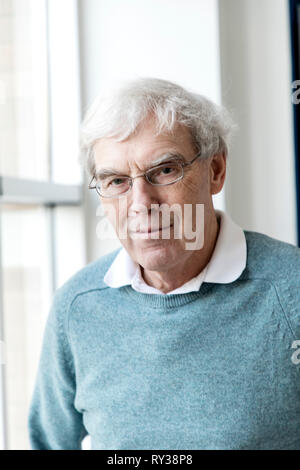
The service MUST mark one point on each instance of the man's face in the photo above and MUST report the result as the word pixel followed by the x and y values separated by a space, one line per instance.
pixel 131 212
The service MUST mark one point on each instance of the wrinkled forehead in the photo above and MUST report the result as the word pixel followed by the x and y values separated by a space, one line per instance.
pixel 144 145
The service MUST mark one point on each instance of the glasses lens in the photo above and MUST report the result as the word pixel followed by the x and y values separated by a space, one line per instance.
pixel 165 174
pixel 111 186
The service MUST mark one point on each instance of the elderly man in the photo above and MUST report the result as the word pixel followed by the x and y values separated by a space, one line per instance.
pixel 188 336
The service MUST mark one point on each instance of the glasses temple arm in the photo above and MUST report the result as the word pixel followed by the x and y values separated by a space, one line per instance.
pixel 91 187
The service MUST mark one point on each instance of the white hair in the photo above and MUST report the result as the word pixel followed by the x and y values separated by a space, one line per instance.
pixel 118 114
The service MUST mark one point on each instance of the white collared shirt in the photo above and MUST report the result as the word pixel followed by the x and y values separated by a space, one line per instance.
pixel 226 264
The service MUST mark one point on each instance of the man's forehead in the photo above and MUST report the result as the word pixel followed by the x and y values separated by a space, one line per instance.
pixel 145 142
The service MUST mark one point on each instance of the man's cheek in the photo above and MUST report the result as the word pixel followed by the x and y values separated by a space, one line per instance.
pixel 122 228
pixel 119 222
pixel 110 212
pixel 105 228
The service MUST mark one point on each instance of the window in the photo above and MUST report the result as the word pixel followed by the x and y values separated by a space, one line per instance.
pixel 41 222
pixel 26 281
pixel 24 89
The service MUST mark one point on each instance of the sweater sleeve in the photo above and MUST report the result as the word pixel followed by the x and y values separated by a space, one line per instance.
pixel 53 421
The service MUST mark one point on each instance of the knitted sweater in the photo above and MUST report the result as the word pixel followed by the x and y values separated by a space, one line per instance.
pixel 217 368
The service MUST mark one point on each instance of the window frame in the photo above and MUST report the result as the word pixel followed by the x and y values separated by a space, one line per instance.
pixel 44 193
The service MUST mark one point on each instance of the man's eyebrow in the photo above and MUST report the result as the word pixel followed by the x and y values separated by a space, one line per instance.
pixel 166 157
pixel 100 174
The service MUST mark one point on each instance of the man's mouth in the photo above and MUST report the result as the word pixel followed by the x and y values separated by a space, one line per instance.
pixel 153 230
pixel 150 230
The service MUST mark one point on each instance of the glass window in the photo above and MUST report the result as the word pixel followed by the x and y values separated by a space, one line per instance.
pixel 65 86
pixel 26 301
pixel 23 89
pixel 69 242
pixel 42 241
pixel 27 271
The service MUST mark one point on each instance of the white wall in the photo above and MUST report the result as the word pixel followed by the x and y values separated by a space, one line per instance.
pixel 256 84
pixel 170 39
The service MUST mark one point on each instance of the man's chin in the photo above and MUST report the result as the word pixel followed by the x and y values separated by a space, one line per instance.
pixel 156 257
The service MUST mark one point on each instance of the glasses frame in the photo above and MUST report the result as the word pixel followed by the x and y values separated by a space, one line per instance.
pixel 145 175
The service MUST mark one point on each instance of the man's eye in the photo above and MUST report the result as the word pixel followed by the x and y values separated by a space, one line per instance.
pixel 167 169
pixel 117 181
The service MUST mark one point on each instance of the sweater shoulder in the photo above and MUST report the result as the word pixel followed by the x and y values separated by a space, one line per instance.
pixel 87 278
pixel 277 262
pixel 272 259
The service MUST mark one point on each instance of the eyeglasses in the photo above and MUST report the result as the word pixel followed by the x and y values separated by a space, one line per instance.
pixel 113 186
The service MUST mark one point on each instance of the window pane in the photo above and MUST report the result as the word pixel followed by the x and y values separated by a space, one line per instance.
pixel 65 91
pixel 23 89
pixel 27 295
pixel 69 242
pixel 26 301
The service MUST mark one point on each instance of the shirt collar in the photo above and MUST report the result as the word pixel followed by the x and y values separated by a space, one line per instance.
pixel 226 264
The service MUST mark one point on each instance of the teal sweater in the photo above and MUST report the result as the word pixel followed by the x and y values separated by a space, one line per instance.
pixel 210 369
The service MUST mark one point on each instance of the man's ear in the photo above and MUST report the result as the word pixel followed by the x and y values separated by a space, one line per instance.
pixel 217 172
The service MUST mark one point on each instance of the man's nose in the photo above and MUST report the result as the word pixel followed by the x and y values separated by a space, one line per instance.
pixel 142 195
